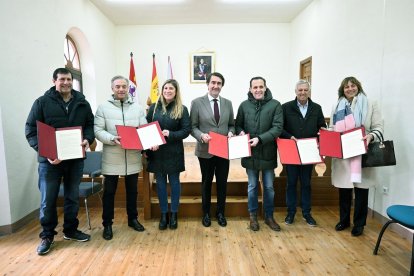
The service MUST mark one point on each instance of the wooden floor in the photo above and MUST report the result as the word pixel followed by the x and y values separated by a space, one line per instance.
pixel 194 250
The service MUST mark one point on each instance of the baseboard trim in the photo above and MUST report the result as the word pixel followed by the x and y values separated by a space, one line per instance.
pixel 14 227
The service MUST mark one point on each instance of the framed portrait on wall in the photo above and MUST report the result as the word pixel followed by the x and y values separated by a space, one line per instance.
pixel 201 64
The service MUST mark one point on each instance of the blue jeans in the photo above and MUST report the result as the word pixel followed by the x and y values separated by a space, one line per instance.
pixel 50 177
pixel 174 179
pixel 268 191
pixel 304 174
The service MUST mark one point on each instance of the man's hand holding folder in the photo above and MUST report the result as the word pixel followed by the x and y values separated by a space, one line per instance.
pixel 140 138
pixel 229 147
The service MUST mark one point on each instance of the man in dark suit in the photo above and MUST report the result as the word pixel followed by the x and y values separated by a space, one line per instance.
pixel 212 113
pixel 302 119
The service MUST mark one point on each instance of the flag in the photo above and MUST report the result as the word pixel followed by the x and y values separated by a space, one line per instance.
pixel 169 70
pixel 132 79
pixel 154 83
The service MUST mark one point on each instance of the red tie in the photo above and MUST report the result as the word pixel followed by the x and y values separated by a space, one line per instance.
pixel 216 111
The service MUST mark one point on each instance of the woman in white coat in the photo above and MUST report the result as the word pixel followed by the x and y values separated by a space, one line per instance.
pixel 120 109
pixel 353 109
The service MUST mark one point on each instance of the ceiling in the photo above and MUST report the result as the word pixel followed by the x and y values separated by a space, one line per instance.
pixel 126 12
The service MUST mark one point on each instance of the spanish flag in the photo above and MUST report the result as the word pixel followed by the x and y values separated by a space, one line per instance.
pixel 154 84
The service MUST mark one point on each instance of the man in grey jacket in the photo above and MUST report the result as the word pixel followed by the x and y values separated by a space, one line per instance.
pixel 212 113
pixel 261 116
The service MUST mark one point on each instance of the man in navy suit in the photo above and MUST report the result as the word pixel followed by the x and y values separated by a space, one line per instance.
pixel 212 112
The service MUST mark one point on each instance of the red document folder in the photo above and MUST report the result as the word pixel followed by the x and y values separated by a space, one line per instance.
pixel 229 148
pixel 130 139
pixel 46 139
pixel 288 151
pixel 331 143
pixel 300 152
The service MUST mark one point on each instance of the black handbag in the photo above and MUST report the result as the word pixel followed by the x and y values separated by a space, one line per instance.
pixel 379 153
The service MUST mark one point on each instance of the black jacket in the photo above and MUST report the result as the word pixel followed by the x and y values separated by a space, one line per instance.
pixel 295 125
pixel 50 109
pixel 169 158
pixel 262 119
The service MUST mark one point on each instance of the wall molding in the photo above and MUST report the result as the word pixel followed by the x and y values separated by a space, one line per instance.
pixel 16 226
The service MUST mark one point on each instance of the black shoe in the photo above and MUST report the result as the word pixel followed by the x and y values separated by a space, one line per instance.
pixel 289 219
pixel 309 220
pixel 44 245
pixel 206 220
pixel 221 220
pixel 357 231
pixel 136 225
pixel 173 221
pixel 107 232
pixel 341 226
pixel 163 221
pixel 77 236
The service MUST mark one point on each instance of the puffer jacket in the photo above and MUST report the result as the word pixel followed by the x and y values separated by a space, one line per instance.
pixel 115 160
pixel 50 109
pixel 262 119
pixel 169 158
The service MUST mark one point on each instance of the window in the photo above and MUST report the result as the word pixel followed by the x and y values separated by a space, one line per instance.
pixel 72 62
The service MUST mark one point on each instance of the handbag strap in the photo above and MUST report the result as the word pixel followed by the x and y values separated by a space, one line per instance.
pixel 378 133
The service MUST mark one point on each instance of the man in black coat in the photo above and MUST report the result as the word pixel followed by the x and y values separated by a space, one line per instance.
pixel 302 119
pixel 60 107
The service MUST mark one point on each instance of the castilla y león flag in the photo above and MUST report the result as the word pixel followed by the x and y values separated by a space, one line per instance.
pixel 132 79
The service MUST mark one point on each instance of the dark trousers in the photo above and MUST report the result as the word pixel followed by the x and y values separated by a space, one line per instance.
pixel 304 174
pixel 108 199
pixel 50 177
pixel 220 168
pixel 360 206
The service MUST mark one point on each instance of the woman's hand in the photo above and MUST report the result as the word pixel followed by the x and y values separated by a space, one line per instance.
pixel 369 138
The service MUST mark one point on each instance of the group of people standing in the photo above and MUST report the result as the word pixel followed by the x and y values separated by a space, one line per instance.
pixel 261 116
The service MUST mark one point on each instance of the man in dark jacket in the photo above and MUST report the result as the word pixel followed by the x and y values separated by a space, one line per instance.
pixel 302 119
pixel 261 116
pixel 59 107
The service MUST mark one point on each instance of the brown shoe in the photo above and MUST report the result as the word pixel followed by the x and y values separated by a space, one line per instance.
pixel 254 224
pixel 272 224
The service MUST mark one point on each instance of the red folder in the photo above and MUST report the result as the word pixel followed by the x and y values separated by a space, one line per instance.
pixel 219 145
pixel 129 137
pixel 289 151
pixel 131 140
pixel 46 140
pixel 330 142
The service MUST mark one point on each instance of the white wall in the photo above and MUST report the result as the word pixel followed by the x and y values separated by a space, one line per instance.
pixel 242 52
pixel 32 35
pixel 373 41
pixel 5 216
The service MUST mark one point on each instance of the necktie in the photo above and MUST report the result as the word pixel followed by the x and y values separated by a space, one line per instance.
pixel 216 111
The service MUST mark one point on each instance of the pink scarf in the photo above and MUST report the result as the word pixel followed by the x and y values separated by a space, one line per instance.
pixel 344 120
